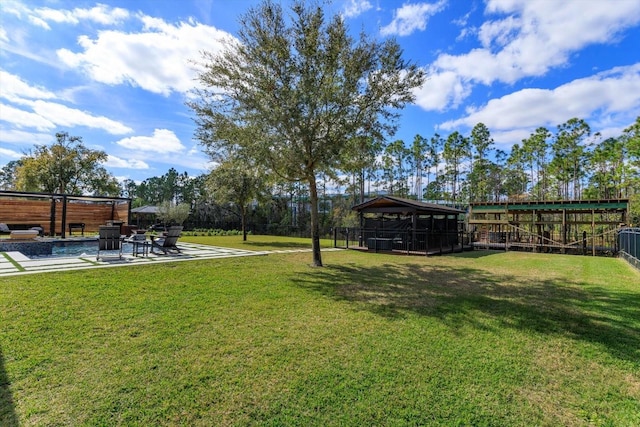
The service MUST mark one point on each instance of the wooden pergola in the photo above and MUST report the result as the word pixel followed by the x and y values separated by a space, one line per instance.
pixel 565 226
pixel 55 212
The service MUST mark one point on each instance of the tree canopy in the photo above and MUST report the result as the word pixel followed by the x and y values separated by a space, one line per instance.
pixel 294 93
pixel 236 183
pixel 66 166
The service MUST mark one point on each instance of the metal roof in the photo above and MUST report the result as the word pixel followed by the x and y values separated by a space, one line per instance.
pixel 392 204
pixel 552 205
pixel 147 209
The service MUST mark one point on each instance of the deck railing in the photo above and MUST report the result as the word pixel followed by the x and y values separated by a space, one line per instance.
pixel 517 238
pixel 416 242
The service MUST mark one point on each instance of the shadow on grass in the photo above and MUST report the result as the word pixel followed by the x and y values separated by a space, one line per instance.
pixel 469 297
pixel 477 253
pixel 283 245
pixel 8 415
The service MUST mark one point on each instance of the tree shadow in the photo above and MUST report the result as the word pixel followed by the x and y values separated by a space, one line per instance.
pixel 8 416
pixel 476 253
pixel 284 245
pixel 456 296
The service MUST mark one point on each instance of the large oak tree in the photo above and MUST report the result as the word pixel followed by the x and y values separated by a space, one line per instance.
pixel 296 89
pixel 66 166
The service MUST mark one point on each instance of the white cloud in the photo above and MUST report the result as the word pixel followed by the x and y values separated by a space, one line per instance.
pixel 49 115
pixel 504 139
pixel 46 115
pixel 14 88
pixel 39 22
pixel 19 137
pixel 615 92
pixel 156 59
pixel 354 8
pixel 5 153
pixel 411 17
pixel 117 162
pixel 163 141
pixel 442 89
pixel 100 14
pixel 65 116
pixel 528 39
pixel 24 119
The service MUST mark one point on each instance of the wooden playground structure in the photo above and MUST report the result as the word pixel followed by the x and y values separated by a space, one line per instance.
pixel 587 227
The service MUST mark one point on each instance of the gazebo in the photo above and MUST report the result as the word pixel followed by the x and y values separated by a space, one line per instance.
pixel 392 223
pixel 145 215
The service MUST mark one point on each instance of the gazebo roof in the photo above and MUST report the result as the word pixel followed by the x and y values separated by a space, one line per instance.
pixel 147 209
pixel 398 205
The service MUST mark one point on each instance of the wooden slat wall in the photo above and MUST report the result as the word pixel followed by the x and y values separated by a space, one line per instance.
pixel 26 212
pixel 121 212
pixel 14 211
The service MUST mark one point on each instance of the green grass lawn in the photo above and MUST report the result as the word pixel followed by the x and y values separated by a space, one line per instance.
pixel 480 338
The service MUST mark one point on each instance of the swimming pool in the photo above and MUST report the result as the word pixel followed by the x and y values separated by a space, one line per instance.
pixel 57 248
pixel 74 248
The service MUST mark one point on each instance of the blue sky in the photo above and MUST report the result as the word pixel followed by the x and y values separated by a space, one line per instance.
pixel 117 73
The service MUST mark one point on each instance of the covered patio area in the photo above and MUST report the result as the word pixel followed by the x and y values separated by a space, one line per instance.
pixel 61 214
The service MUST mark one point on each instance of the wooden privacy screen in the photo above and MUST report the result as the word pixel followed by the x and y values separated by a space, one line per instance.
pixel 91 213
pixel 14 211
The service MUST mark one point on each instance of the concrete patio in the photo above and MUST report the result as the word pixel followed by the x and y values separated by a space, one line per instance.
pixel 15 263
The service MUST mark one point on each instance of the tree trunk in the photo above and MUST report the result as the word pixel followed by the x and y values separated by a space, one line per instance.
pixel 315 225
pixel 362 178
pixel 243 220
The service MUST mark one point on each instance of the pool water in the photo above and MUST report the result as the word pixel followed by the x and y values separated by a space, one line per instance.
pixel 61 249
pixel 77 248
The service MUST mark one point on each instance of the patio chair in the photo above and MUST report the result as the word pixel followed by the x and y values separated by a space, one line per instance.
pixel 167 243
pixel 109 240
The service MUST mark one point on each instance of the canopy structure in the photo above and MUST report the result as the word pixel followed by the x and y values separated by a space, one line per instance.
pixel 57 213
pixel 146 209
pixel 145 215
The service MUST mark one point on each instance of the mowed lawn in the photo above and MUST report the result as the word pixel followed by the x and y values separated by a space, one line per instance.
pixel 480 338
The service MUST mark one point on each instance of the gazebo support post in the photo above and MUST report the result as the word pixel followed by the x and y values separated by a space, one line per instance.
pixel 52 218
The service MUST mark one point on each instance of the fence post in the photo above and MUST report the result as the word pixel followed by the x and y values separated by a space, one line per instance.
pixel 427 234
pixel 375 240
pixel 406 241
pixel 347 236
pixel 506 242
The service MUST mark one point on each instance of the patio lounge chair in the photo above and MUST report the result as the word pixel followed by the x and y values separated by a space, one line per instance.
pixel 167 243
pixel 109 240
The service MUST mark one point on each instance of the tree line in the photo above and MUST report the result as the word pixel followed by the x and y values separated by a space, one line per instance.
pixel 570 162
